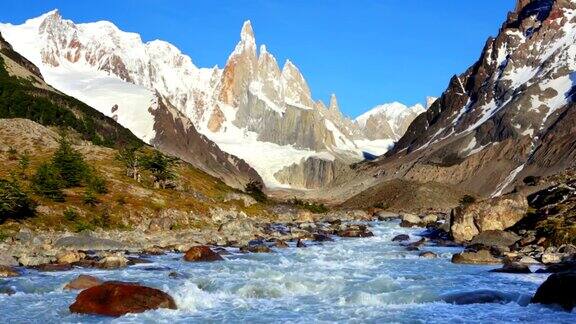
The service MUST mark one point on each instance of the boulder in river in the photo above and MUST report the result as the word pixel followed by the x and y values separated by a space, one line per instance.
pixel 478 257
pixel 513 267
pixel 559 289
pixel 52 267
pixel 119 298
pixel 383 215
pixel 281 244
pixel 201 253
pixel 495 238
pixel 112 262
pixel 69 257
pixel 401 238
pixel 480 297
pixel 428 255
pixel 410 220
pixel 257 248
pixel 6 271
pixel 83 282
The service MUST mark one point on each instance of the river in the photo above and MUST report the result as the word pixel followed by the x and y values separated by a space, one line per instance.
pixel 349 280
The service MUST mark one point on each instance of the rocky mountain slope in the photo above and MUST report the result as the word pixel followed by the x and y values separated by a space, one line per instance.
pixel 139 108
pixel 510 115
pixel 251 108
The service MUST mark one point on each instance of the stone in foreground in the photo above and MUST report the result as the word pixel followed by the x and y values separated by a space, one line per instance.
pixel 120 298
pixel 559 289
pixel 201 253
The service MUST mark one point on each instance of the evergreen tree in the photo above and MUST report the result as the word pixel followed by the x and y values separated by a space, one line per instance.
pixel 70 164
pixel 47 182
pixel 14 203
pixel 254 189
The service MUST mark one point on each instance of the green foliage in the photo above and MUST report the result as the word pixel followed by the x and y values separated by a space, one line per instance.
pixel 48 183
pixel 310 206
pixel 97 184
pixel 467 200
pixel 90 198
pixel 14 203
pixel 70 215
pixel 254 189
pixel 20 99
pixel 23 164
pixel 132 160
pixel 70 164
pixel 161 167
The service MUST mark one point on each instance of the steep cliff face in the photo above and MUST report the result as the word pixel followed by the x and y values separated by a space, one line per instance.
pixel 508 116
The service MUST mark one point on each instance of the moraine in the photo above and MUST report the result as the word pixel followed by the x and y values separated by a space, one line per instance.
pixel 367 280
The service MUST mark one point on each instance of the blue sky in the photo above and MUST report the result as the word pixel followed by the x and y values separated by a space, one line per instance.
pixel 367 52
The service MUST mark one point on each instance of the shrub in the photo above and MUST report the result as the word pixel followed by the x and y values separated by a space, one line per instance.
pixel 531 180
pixel 14 203
pixel 97 184
pixel 90 198
pixel 70 164
pixel 310 206
pixel 467 200
pixel 48 183
pixel 254 189
pixel 23 163
pixel 70 215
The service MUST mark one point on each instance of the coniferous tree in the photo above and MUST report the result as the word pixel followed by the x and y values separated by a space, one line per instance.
pixel 70 164
pixel 48 183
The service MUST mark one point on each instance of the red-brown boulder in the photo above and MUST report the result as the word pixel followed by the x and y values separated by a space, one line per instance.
pixel 201 253
pixel 114 298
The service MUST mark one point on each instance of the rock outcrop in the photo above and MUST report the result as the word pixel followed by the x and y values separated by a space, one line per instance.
pixel 492 214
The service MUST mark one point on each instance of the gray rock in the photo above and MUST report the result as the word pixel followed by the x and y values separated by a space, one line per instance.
pixel 7 260
pixel 401 238
pixel 513 267
pixel 383 215
pixel 548 258
pixel 495 238
pixel 481 297
pixel 479 257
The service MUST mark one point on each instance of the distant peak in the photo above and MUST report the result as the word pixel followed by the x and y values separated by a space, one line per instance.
pixel 263 49
pixel 333 102
pixel 247 32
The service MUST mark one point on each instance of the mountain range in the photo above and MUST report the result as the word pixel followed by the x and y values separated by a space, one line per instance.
pixel 258 120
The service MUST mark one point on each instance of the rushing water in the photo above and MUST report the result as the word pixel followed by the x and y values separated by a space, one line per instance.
pixel 350 280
